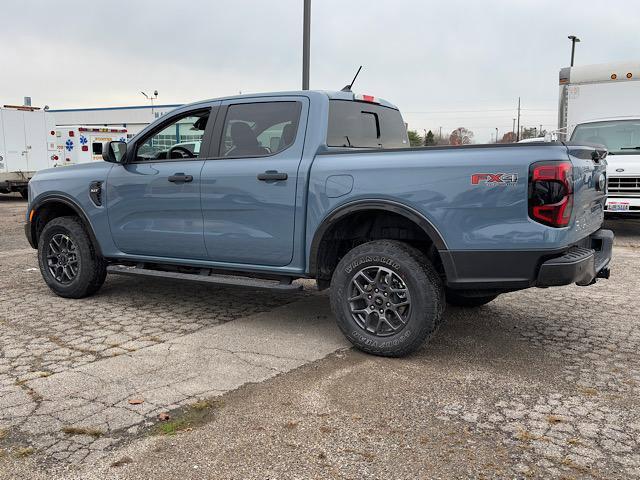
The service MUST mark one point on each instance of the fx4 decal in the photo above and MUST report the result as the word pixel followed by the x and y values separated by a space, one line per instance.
pixel 494 178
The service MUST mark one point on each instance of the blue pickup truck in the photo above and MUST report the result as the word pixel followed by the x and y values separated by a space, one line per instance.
pixel 259 190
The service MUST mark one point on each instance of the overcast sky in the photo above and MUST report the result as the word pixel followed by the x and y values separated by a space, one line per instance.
pixel 444 63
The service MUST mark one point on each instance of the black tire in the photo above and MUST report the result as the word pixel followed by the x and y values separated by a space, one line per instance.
pixel 403 266
pixel 469 300
pixel 24 193
pixel 91 268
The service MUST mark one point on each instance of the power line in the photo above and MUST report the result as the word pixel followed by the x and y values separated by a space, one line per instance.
pixel 481 111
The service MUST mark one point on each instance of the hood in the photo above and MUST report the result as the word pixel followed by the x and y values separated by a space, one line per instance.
pixel 629 164
pixel 81 169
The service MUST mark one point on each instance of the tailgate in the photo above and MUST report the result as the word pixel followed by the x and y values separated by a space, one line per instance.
pixel 589 174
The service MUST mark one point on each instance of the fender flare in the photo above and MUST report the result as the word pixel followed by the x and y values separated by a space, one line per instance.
pixel 384 205
pixel 59 198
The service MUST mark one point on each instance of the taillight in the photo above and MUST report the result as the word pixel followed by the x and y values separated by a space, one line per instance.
pixel 551 193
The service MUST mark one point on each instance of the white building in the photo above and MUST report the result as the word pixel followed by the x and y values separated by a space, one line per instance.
pixel 133 118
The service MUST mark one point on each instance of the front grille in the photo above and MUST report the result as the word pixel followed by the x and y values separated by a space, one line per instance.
pixel 627 186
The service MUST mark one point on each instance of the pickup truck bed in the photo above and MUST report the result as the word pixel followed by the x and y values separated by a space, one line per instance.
pixel 322 185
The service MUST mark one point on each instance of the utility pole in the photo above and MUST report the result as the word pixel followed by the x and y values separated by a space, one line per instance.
pixel 518 134
pixel 574 40
pixel 513 128
pixel 496 134
pixel 306 43
pixel 440 137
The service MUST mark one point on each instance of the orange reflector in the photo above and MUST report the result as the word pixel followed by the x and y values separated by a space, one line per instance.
pixel 33 212
pixel 613 76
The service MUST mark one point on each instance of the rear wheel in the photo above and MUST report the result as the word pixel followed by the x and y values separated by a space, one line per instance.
pixel 387 298
pixel 467 299
pixel 68 260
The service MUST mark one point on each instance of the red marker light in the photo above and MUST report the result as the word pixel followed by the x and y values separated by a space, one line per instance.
pixel 85 148
pixel 71 133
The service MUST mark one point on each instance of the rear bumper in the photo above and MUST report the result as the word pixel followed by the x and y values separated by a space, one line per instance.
pixel 580 264
pixel 508 270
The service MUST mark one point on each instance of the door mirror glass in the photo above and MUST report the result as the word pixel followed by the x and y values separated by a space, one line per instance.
pixel 114 152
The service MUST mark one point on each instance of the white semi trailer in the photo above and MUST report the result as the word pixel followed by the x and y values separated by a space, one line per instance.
pixel 601 104
pixel 27 144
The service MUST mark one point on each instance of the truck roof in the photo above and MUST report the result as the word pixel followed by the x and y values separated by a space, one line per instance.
pixel 611 119
pixel 602 72
pixel 332 94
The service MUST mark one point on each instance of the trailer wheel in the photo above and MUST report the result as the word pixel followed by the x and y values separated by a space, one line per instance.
pixel 68 261
pixel 387 298
pixel 25 193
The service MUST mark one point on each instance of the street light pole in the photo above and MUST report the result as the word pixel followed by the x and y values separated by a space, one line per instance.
pixel 518 132
pixel 574 40
pixel 151 99
pixel 306 43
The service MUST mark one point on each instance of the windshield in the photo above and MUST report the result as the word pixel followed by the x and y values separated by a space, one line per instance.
pixel 621 137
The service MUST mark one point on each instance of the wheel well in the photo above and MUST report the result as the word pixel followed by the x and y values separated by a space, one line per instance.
pixel 54 209
pixel 364 226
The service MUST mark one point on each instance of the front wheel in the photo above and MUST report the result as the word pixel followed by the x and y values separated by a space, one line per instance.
pixel 387 298
pixel 68 261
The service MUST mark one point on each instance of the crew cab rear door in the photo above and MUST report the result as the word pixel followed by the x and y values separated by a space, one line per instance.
pixel 249 187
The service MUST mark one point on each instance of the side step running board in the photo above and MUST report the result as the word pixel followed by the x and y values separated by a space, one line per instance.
pixel 282 285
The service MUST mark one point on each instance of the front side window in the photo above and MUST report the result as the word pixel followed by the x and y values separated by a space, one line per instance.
pixel 181 139
pixel 619 136
pixel 258 129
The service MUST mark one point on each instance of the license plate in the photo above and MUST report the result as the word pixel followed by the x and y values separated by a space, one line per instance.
pixel 618 206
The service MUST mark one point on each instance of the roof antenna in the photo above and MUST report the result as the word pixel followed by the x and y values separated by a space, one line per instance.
pixel 347 88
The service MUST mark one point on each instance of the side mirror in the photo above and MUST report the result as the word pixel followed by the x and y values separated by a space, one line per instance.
pixel 114 152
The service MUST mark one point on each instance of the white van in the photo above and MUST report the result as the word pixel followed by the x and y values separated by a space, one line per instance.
pixel 601 104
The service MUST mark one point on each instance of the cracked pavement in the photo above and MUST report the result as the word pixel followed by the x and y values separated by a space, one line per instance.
pixel 542 383
pixel 76 363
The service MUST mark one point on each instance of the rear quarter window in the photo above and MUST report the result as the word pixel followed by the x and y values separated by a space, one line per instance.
pixel 365 125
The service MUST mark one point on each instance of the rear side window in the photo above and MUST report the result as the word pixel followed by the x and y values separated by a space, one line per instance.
pixel 365 125
pixel 259 129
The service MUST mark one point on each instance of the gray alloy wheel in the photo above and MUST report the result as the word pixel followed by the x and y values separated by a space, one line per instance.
pixel 387 297
pixel 379 301
pixel 62 258
pixel 70 265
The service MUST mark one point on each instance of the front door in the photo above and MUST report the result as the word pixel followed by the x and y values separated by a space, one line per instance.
pixel 249 190
pixel 153 200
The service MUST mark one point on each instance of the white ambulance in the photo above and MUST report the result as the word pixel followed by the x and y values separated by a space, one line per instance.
pixel 27 144
pixel 83 144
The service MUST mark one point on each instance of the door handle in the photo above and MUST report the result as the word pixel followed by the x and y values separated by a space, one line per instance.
pixel 272 175
pixel 180 178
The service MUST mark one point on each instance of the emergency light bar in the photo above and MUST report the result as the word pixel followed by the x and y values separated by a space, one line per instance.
pixel 103 130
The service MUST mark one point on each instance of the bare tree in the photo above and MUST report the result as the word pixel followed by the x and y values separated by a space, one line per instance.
pixel 461 136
